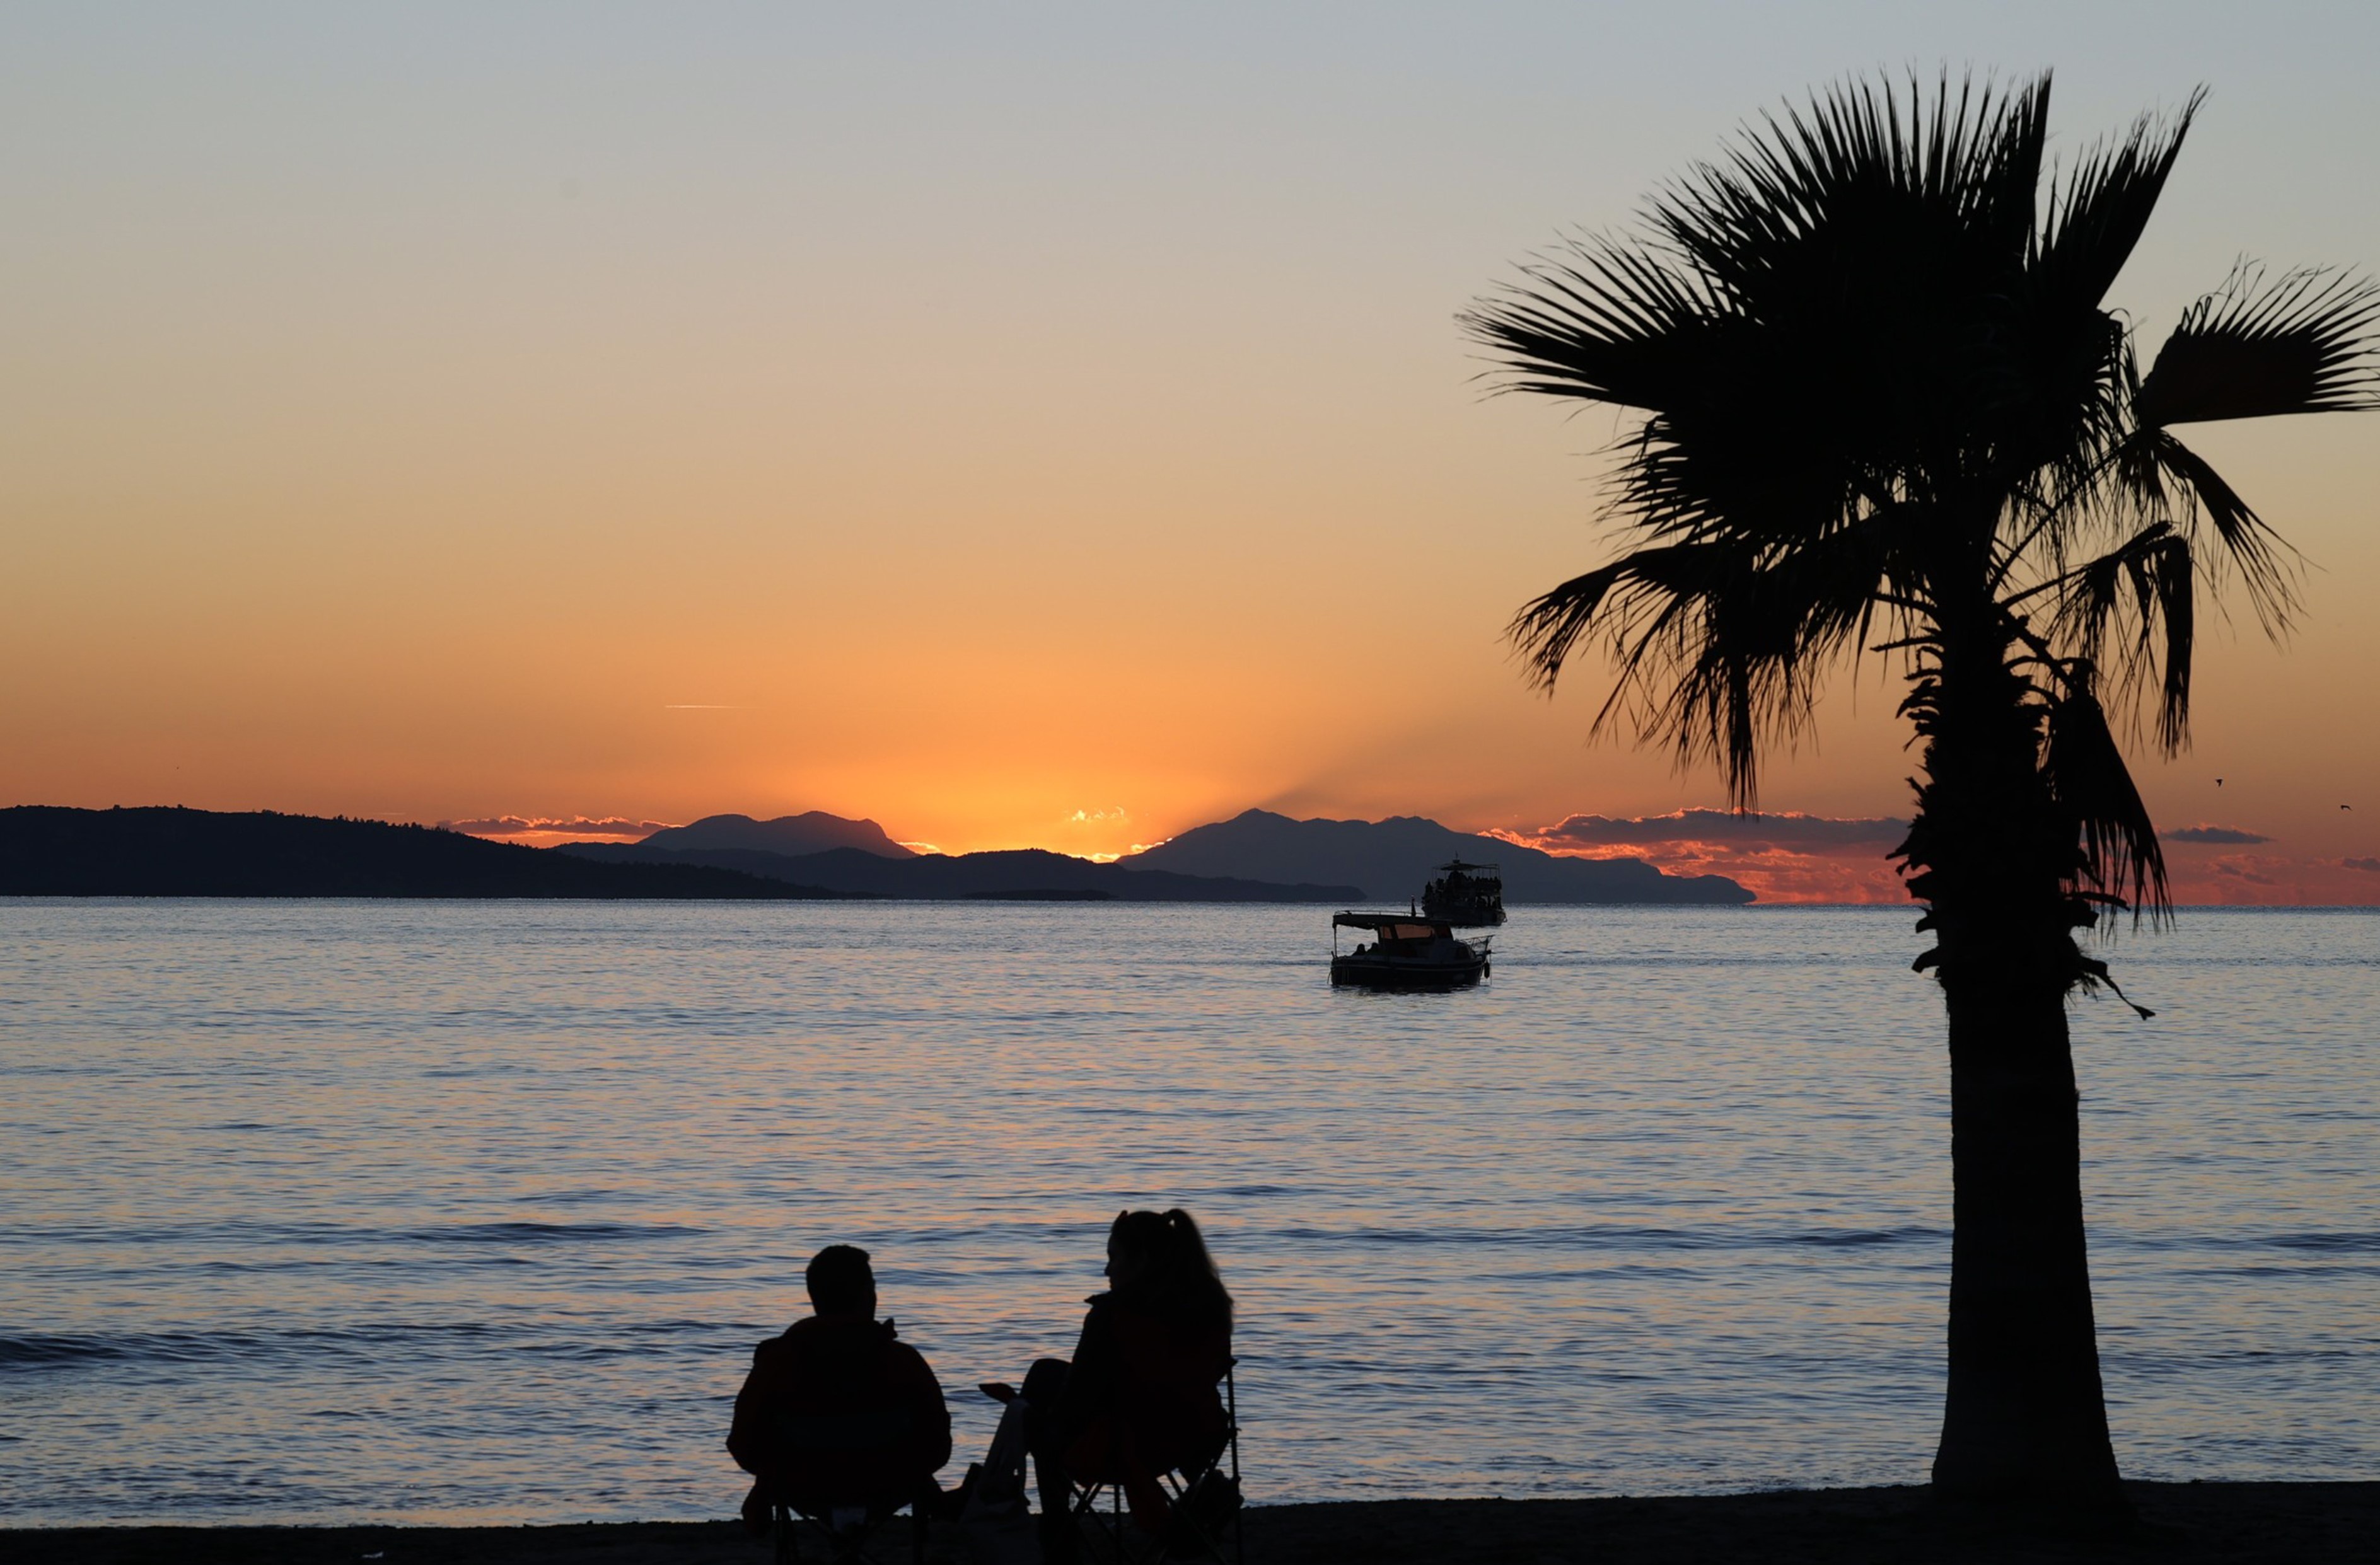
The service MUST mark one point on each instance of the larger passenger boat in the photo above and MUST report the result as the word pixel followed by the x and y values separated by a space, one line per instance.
pixel 1468 894
pixel 1406 952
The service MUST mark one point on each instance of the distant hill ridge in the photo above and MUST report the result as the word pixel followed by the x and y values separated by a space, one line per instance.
pixel 51 851
pixel 1255 857
pixel 1027 874
pixel 791 835
pixel 1394 858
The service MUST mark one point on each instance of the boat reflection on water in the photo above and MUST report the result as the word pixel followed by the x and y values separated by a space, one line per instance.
pixel 1407 952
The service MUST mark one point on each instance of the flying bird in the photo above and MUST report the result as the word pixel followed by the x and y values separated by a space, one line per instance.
pixel 2218 781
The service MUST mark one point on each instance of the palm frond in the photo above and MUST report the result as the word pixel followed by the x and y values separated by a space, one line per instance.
pixel 2305 343
pixel 1717 655
pixel 1970 159
pixel 1796 331
pixel 2152 465
pixel 1549 626
pixel 2095 215
pixel 2087 777
pixel 1597 323
pixel 2146 593
pixel 2064 372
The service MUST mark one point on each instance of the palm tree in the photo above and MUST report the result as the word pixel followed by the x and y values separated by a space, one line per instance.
pixel 1883 410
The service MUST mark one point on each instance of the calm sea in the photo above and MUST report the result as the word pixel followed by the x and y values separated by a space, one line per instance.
pixel 445 1211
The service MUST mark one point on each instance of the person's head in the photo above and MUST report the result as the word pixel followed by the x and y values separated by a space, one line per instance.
pixel 1160 1259
pixel 1135 1250
pixel 840 1281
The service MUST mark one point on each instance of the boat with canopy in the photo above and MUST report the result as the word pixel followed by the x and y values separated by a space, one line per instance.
pixel 1407 950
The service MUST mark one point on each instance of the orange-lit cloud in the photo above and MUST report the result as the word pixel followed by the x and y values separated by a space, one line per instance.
pixel 545 831
pixel 1783 857
pixel 1793 857
pixel 2272 880
pixel 1812 833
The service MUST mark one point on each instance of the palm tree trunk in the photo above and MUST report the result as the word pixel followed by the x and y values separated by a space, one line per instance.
pixel 2024 1417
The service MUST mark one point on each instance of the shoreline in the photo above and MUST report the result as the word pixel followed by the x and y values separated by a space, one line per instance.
pixel 2315 1524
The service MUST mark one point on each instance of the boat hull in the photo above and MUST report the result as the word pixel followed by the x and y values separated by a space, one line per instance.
pixel 1376 973
pixel 1468 913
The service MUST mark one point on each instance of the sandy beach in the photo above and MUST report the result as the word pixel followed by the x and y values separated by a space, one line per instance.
pixel 2315 1523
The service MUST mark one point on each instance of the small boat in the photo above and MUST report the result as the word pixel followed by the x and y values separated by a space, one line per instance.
pixel 1407 952
pixel 1468 894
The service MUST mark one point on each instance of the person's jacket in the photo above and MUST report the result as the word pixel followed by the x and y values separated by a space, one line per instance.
pixel 840 1412
pixel 1144 1394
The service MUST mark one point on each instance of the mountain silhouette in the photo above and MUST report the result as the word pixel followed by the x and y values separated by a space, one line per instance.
pixel 1027 874
pixel 1256 857
pixel 1392 859
pixel 46 851
pixel 813 831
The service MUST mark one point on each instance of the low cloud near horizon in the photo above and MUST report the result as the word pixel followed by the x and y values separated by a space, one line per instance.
pixel 1809 832
pixel 2229 836
pixel 1793 857
pixel 539 825
pixel 1783 856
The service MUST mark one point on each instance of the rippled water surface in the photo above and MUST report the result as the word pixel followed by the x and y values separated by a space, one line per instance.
pixel 339 1210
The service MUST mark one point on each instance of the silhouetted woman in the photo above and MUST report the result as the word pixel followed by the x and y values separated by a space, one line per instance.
pixel 1140 1397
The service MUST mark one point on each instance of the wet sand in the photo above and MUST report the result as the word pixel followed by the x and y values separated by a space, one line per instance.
pixel 2315 1524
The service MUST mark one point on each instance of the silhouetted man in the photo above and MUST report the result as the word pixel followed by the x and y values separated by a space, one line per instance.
pixel 838 1412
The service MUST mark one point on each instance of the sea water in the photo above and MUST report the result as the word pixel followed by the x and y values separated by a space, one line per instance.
pixel 433 1211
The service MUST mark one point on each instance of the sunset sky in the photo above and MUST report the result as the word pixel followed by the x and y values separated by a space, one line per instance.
pixel 1023 426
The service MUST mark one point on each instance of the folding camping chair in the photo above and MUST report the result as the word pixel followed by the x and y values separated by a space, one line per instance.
pixel 840 1509
pixel 1202 1519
